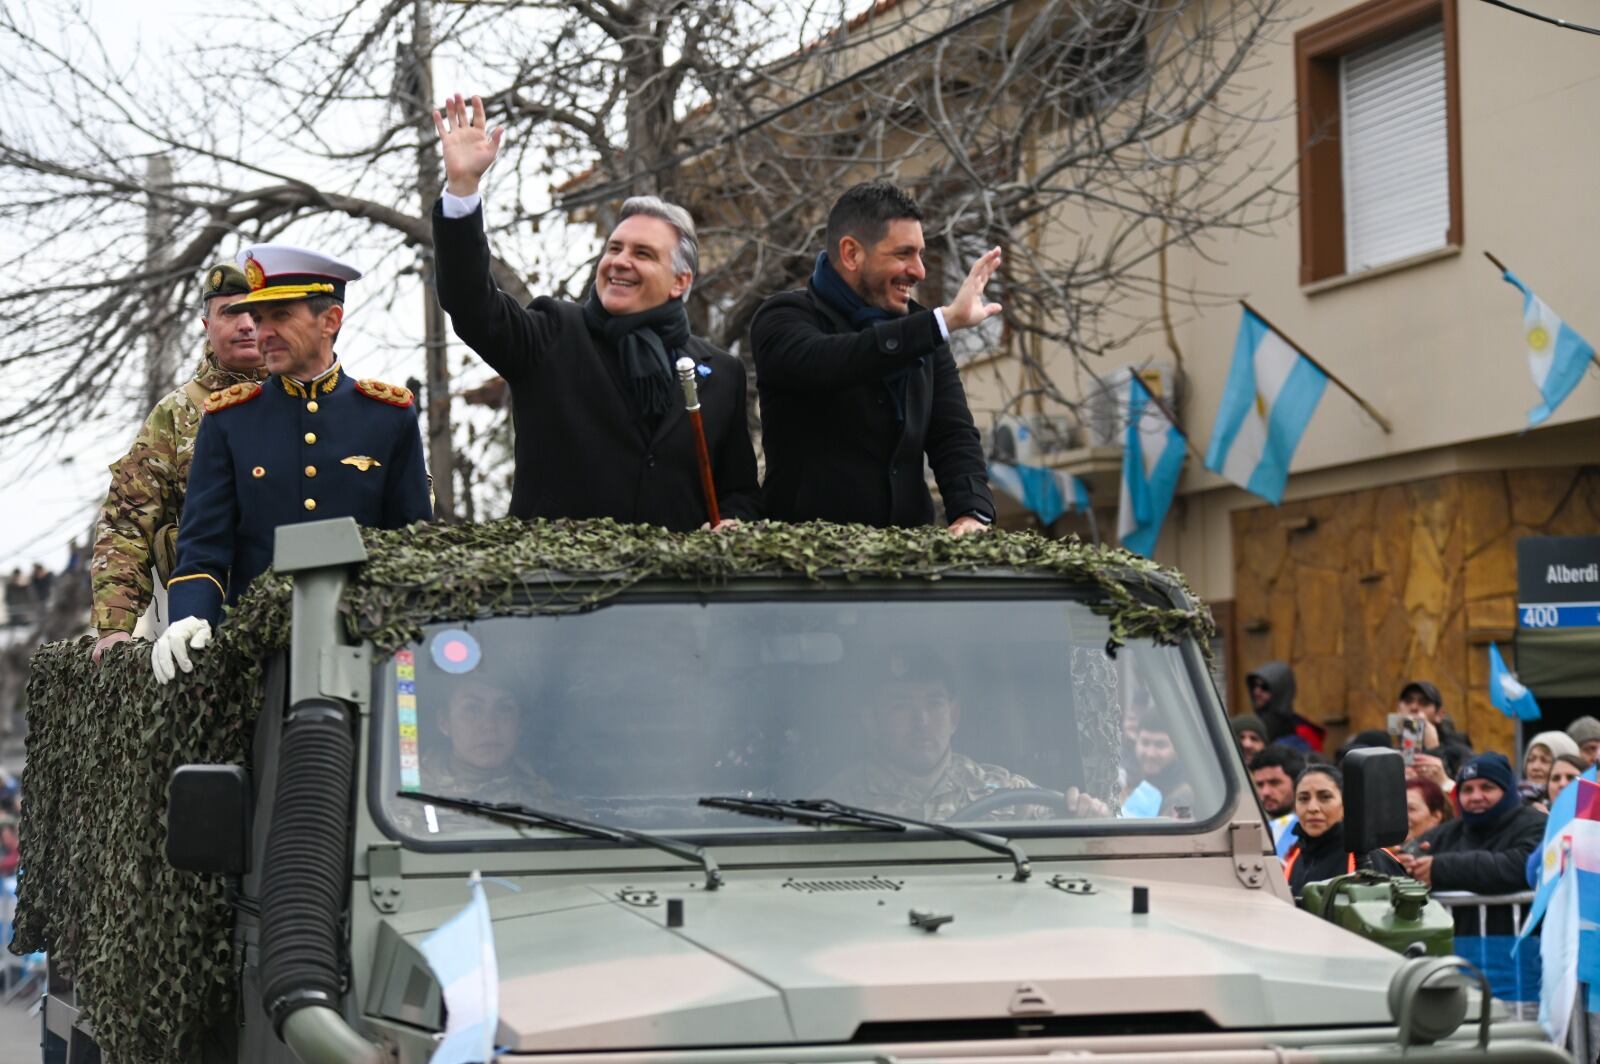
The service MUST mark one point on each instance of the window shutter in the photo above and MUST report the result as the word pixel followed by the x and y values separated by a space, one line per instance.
pixel 1395 149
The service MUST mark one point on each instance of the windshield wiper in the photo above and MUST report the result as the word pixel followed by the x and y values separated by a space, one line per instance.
pixel 828 811
pixel 517 813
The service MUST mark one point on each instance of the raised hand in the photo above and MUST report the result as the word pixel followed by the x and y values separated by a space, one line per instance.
pixel 469 148
pixel 969 307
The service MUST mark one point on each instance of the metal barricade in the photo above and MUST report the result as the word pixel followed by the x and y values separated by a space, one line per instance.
pixel 1579 1040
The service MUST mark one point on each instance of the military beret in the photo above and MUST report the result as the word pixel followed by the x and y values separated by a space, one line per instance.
pixel 223 279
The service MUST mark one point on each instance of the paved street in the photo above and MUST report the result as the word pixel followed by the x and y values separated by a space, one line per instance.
pixel 19 1035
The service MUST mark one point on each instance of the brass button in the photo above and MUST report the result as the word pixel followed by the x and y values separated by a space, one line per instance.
pixel 311 470
pixel 311 504
pixel 258 472
pixel 311 407
pixel 311 437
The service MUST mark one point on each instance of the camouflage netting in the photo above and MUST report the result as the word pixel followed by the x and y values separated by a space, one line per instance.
pixel 149 946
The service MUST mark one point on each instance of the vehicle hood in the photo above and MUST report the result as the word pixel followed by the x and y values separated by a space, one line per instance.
pixel 792 961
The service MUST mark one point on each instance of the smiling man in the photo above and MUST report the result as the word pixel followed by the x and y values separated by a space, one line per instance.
pixel 597 411
pixel 857 383
pixel 136 536
pixel 307 444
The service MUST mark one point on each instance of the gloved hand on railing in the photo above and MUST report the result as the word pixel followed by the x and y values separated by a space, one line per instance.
pixel 171 651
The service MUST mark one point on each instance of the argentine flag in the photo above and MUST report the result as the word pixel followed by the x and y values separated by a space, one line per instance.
pixel 1568 903
pixel 1271 393
pixel 1506 692
pixel 461 954
pixel 1049 493
pixel 1152 460
pixel 1557 356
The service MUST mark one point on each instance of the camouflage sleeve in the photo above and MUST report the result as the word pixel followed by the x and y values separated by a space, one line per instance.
pixel 145 494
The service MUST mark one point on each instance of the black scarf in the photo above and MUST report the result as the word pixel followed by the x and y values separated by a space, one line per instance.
pixel 834 291
pixel 648 343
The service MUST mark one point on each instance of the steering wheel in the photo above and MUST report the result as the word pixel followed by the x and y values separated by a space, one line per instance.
pixel 1015 796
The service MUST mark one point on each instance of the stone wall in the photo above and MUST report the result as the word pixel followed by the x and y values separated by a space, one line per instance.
pixel 1363 591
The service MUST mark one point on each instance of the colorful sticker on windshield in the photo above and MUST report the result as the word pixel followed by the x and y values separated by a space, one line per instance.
pixel 405 701
pixel 454 650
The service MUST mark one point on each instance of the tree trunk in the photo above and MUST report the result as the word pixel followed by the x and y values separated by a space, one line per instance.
pixel 441 455
pixel 160 367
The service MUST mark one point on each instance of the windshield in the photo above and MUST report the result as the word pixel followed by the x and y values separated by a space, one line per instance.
pixel 989 711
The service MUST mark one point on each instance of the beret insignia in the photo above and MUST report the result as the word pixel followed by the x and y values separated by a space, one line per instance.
pixel 232 395
pixel 393 394
pixel 216 278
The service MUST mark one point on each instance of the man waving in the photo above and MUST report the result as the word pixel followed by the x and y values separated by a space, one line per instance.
pixel 857 382
pixel 599 420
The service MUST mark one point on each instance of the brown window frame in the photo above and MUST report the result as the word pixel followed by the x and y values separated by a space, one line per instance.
pixel 1317 50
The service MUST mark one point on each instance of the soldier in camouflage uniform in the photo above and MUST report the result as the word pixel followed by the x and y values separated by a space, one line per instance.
pixel 138 526
pixel 482 724
pixel 911 769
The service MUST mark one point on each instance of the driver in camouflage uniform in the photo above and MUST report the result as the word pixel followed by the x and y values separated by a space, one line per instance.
pixel 138 526
pixel 483 724
pixel 912 770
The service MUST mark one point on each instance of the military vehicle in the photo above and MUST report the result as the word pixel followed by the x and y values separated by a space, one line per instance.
pixel 776 812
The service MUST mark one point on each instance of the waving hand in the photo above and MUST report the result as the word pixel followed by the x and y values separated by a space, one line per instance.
pixel 469 148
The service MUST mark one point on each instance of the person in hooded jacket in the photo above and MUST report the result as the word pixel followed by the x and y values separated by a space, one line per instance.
pixel 1272 693
pixel 1484 850
pixel 1318 851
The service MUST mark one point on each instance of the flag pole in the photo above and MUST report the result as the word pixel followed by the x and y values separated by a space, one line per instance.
pixel 1371 412
pixel 1595 358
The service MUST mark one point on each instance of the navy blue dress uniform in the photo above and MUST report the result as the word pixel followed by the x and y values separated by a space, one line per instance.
pixel 284 451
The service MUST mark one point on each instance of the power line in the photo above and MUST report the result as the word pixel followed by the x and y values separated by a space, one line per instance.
pixel 1551 19
pixel 611 188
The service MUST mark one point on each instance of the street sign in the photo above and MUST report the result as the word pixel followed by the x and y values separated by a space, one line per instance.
pixel 1558 582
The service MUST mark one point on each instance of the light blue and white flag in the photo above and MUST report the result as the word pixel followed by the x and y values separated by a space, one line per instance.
pixel 461 954
pixel 1271 393
pixel 1049 493
pixel 1506 693
pixel 1557 355
pixel 1152 461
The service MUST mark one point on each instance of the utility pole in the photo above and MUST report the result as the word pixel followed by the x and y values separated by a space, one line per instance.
pixel 159 365
pixel 414 93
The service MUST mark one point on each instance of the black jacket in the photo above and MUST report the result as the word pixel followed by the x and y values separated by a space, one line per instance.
pixel 581 449
pixel 835 450
pixel 1489 859
pixel 1313 859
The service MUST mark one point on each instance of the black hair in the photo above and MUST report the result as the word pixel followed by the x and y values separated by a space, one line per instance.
pixel 864 212
pixel 1276 755
pixel 1327 770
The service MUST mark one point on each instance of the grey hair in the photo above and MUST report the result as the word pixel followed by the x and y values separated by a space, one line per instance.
pixel 686 255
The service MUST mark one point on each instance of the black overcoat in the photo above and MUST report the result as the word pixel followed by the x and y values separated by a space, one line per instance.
pixel 581 449
pixel 835 449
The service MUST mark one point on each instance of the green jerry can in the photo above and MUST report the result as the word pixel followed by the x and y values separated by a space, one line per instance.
pixel 1393 911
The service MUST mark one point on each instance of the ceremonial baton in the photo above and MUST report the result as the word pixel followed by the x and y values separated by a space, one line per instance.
pixel 691 403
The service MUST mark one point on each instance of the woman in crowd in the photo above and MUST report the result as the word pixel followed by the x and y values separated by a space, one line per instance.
pixel 1318 852
pixel 1541 754
pixel 1567 768
pixel 1427 806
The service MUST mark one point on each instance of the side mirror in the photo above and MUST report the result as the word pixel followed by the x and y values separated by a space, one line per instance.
pixel 208 819
pixel 1374 799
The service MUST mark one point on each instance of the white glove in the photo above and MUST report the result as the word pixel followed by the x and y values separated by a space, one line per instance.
pixel 171 651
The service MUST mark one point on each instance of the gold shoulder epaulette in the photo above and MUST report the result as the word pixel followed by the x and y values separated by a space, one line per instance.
pixel 232 395
pixel 393 394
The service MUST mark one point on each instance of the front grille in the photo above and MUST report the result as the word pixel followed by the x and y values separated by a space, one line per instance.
pixel 841 886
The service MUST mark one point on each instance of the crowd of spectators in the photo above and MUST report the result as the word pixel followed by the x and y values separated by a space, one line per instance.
pixel 27 593
pixel 1474 820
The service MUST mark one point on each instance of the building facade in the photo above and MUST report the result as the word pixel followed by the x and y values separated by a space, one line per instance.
pixel 1422 134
